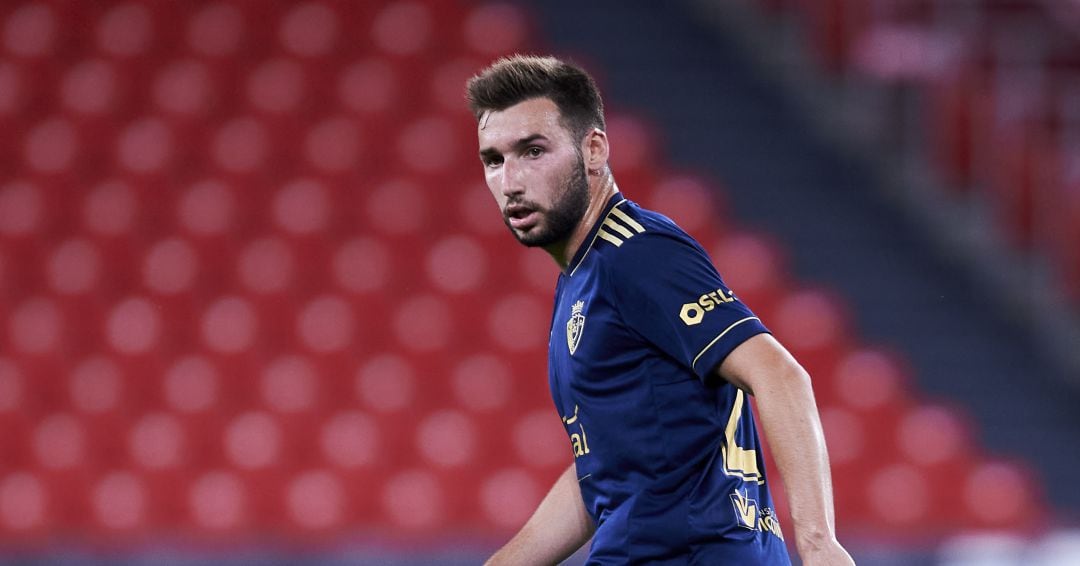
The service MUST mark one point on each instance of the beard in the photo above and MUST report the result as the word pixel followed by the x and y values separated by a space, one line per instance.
pixel 565 213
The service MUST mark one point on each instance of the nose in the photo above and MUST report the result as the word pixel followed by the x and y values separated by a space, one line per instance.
pixel 512 181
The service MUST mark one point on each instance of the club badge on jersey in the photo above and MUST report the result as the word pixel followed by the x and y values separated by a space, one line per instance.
pixel 574 326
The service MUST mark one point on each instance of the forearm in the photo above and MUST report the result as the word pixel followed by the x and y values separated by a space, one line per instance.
pixel 789 417
pixel 559 526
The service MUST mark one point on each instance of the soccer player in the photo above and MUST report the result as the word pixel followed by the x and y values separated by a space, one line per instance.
pixel 651 356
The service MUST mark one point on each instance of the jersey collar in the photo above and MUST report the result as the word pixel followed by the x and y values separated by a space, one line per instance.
pixel 590 238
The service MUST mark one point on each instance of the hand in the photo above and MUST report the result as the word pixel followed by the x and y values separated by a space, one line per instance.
pixel 829 554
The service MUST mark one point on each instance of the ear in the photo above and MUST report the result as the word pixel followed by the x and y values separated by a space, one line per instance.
pixel 595 150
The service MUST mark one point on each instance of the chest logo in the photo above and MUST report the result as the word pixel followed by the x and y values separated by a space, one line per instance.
pixel 574 326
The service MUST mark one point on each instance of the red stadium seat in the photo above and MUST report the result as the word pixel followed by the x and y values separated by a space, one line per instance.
pixel 540 442
pixel 220 505
pixel 691 203
pixel 415 500
pixel 52 147
pixel 448 439
pixel 507 497
pixel 403 28
pixel 899 497
pixel 74 267
pixel 229 325
pixel 456 264
pixel 317 503
pixel 335 146
pixel 362 266
pixel 633 154
pixel 1001 495
pixel 96 386
pixel 216 30
pixel 185 89
pixel 36 327
pixel 327 324
pixel 32 30
pixel 121 505
pixel 482 383
pixel 386 383
pixel 814 326
pixel 370 88
pixel 517 322
pixel 26 507
pixel 309 30
pixel 496 28
pixel 126 30
pixel 754 268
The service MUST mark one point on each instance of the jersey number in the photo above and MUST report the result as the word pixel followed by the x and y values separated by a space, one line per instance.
pixel 738 461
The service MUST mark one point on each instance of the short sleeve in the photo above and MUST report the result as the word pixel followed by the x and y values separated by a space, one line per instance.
pixel 669 293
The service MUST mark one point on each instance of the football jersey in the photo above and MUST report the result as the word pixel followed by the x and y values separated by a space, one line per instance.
pixel 668 461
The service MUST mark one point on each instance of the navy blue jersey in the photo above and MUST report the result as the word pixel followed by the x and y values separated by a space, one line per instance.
pixel 668 460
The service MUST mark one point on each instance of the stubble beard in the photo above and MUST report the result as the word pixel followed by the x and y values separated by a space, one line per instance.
pixel 565 213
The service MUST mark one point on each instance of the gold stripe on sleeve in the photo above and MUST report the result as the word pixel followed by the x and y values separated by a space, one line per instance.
pixel 609 237
pixel 617 227
pixel 717 339
pixel 627 220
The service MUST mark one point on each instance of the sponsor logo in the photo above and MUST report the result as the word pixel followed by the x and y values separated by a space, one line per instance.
pixel 692 313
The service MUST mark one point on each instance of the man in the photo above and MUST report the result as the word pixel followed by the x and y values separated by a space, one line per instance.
pixel 651 356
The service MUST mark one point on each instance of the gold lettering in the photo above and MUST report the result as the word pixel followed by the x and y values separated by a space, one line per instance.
pixel 575 441
pixel 579 442
pixel 706 302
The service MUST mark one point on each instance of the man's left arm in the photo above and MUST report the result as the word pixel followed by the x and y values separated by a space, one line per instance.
pixel 788 414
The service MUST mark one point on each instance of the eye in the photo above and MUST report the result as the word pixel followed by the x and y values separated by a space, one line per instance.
pixel 493 161
pixel 534 151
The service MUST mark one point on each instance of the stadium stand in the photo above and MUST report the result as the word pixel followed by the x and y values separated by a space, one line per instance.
pixel 252 286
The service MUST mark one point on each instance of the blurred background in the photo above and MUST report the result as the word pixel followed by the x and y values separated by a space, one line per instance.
pixel 258 307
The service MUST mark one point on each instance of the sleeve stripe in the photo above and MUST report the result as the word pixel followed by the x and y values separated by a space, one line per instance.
pixel 604 234
pixel 617 227
pixel 717 339
pixel 627 220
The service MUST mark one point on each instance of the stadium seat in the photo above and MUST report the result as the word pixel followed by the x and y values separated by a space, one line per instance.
pixel 754 268
pixel 814 326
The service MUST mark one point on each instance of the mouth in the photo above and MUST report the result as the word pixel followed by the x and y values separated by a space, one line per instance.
pixel 521 217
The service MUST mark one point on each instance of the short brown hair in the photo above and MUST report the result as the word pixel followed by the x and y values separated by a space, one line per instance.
pixel 518 78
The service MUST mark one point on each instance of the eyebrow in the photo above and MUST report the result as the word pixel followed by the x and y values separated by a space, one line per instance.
pixel 517 146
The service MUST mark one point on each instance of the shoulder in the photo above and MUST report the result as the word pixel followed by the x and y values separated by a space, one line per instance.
pixel 637 245
pixel 631 233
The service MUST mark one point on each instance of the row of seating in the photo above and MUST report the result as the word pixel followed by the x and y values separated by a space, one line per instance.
pixel 998 82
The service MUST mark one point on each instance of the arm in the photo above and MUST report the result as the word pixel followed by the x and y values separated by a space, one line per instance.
pixel 560 526
pixel 789 417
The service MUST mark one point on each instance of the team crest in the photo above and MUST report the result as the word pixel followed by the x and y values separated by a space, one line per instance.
pixel 574 326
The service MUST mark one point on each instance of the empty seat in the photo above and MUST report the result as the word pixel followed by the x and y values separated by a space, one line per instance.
pixel 310 29
pixel 229 325
pixel 25 506
pixel 813 324
pixel 692 203
pixel 415 500
pixel 216 30
pixel 31 30
pixel 492 29
pixel 317 503
pixel 483 383
pixel 507 498
pixel 219 505
pixel 754 268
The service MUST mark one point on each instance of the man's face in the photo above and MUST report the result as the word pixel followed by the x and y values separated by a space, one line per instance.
pixel 534 169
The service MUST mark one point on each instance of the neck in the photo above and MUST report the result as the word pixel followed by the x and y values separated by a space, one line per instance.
pixel 601 188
